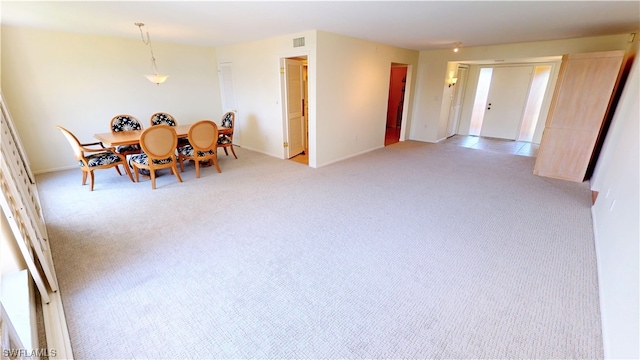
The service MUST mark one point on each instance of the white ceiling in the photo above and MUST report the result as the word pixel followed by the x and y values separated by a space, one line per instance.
pixel 418 25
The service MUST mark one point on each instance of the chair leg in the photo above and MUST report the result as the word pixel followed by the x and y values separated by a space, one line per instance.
pixel 118 169
pixel 175 172
pixel 215 162
pixel 84 177
pixel 126 168
pixel 91 180
pixel 180 160
pixel 233 151
pixel 153 177
pixel 225 150
pixel 135 169
pixel 197 163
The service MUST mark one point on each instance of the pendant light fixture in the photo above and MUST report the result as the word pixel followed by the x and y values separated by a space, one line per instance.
pixel 155 78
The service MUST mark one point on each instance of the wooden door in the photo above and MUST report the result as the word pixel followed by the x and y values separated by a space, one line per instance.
pixel 581 100
pixel 294 93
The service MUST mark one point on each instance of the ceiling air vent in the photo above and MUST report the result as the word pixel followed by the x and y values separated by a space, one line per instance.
pixel 298 42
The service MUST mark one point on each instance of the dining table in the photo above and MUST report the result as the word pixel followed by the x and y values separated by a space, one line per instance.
pixel 133 137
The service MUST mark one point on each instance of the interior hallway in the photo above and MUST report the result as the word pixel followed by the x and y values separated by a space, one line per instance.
pixel 521 148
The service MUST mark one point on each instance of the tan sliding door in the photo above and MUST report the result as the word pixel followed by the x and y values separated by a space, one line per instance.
pixel 580 103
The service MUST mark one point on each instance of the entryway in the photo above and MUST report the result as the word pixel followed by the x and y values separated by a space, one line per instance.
pixel 296 108
pixel 508 101
pixel 396 103
pixel 391 135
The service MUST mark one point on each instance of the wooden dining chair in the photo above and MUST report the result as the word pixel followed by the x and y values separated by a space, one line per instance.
pixel 158 145
pixel 226 140
pixel 125 122
pixel 90 159
pixel 203 138
pixel 160 118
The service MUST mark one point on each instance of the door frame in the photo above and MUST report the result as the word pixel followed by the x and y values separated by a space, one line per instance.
pixel 294 106
pixel 405 104
pixel 473 80
pixel 457 98
pixel 524 100
pixel 309 118
pixel 228 96
pixel 402 107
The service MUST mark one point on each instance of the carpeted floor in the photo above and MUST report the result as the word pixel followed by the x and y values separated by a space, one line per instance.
pixel 413 251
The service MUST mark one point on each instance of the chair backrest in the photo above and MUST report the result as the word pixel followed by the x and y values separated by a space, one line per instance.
pixel 228 119
pixel 73 141
pixel 203 135
pixel 160 118
pixel 124 122
pixel 159 142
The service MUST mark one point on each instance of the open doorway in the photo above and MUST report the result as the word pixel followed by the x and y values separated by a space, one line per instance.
pixel 457 89
pixel 509 101
pixel 395 103
pixel 296 108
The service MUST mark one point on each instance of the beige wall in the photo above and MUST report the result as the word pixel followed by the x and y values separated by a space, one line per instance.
pixel 615 216
pixel 352 93
pixel 81 81
pixel 348 92
pixel 257 82
pixel 430 111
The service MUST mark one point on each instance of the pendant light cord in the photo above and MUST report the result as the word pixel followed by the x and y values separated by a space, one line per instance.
pixel 148 42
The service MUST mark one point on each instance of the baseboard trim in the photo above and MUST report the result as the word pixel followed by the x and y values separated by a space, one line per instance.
pixel 39 172
pixel 603 327
pixel 349 156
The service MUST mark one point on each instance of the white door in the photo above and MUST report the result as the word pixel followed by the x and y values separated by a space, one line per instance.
pixel 293 107
pixel 456 101
pixel 506 101
pixel 228 94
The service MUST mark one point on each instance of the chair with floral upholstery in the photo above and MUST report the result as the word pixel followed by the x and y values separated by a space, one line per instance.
pixel 158 145
pixel 124 122
pixel 160 118
pixel 225 140
pixel 203 136
pixel 90 159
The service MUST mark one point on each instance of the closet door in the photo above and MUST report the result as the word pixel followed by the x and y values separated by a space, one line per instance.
pixel 581 100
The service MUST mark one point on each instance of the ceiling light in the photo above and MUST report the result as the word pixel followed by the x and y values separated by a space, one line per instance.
pixel 457 47
pixel 155 78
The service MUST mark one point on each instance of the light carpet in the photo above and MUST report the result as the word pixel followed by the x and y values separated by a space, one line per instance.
pixel 411 251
